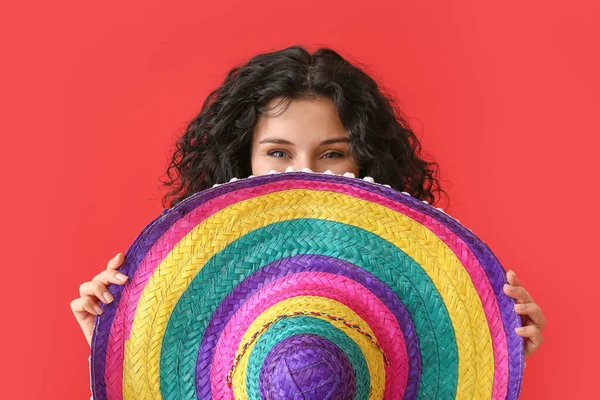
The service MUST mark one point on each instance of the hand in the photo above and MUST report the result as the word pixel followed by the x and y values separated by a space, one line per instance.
pixel 532 318
pixel 86 307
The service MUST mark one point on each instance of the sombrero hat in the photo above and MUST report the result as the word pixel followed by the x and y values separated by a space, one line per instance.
pixel 302 285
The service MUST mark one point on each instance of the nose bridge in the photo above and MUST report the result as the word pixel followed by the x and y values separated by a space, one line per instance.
pixel 304 161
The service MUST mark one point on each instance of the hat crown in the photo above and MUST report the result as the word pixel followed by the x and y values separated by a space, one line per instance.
pixel 306 366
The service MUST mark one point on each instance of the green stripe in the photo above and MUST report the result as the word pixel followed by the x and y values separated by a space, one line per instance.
pixel 301 325
pixel 263 246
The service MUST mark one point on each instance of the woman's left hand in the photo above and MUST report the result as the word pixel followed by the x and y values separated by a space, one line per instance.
pixel 532 317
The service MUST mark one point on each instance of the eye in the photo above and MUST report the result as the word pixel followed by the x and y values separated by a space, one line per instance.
pixel 334 154
pixel 277 153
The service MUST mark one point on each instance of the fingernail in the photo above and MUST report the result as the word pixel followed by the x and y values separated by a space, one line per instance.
pixel 121 277
pixel 519 330
pixel 98 310
pixel 509 287
pixel 108 297
pixel 520 306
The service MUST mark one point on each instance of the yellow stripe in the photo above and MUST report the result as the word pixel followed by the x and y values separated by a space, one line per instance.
pixel 315 304
pixel 176 271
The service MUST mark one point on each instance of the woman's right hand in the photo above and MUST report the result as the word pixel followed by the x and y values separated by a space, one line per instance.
pixel 87 306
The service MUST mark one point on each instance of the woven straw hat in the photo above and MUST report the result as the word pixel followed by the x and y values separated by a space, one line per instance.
pixel 302 285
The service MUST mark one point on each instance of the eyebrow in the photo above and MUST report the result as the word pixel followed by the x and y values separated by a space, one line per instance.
pixel 323 143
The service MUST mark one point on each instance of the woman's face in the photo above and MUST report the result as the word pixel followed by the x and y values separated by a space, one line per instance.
pixel 308 134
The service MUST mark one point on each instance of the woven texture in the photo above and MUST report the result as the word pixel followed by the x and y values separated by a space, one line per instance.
pixel 307 286
pixel 308 365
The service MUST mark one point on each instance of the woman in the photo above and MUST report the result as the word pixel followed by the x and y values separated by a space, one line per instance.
pixel 294 109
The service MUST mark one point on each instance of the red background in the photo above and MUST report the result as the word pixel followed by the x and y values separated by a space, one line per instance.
pixel 503 95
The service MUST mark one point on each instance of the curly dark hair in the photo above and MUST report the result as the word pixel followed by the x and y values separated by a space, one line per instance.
pixel 216 145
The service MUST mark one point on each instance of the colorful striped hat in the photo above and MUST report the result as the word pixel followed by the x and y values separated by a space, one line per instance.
pixel 302 285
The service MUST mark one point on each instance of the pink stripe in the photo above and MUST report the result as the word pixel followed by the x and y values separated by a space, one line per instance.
pixel 121 326
pixel 340 288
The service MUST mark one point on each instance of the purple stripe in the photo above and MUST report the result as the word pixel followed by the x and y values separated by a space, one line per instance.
pixel 302 263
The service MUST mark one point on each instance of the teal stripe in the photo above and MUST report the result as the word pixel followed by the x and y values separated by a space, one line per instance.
pixel 297 326
pixel 263 246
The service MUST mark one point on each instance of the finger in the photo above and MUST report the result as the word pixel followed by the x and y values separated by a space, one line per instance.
pixel 96 289
pixel 533 338
pixel 519 293
pixel 530 332
pixel 512 278
pixel 116 261
pixel 111 276
pixel 534 312
pixel 85 304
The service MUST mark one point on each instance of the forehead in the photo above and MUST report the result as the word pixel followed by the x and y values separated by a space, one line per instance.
pixel 302 117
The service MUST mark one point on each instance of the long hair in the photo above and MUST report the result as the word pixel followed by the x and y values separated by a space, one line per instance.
pixel 216 144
